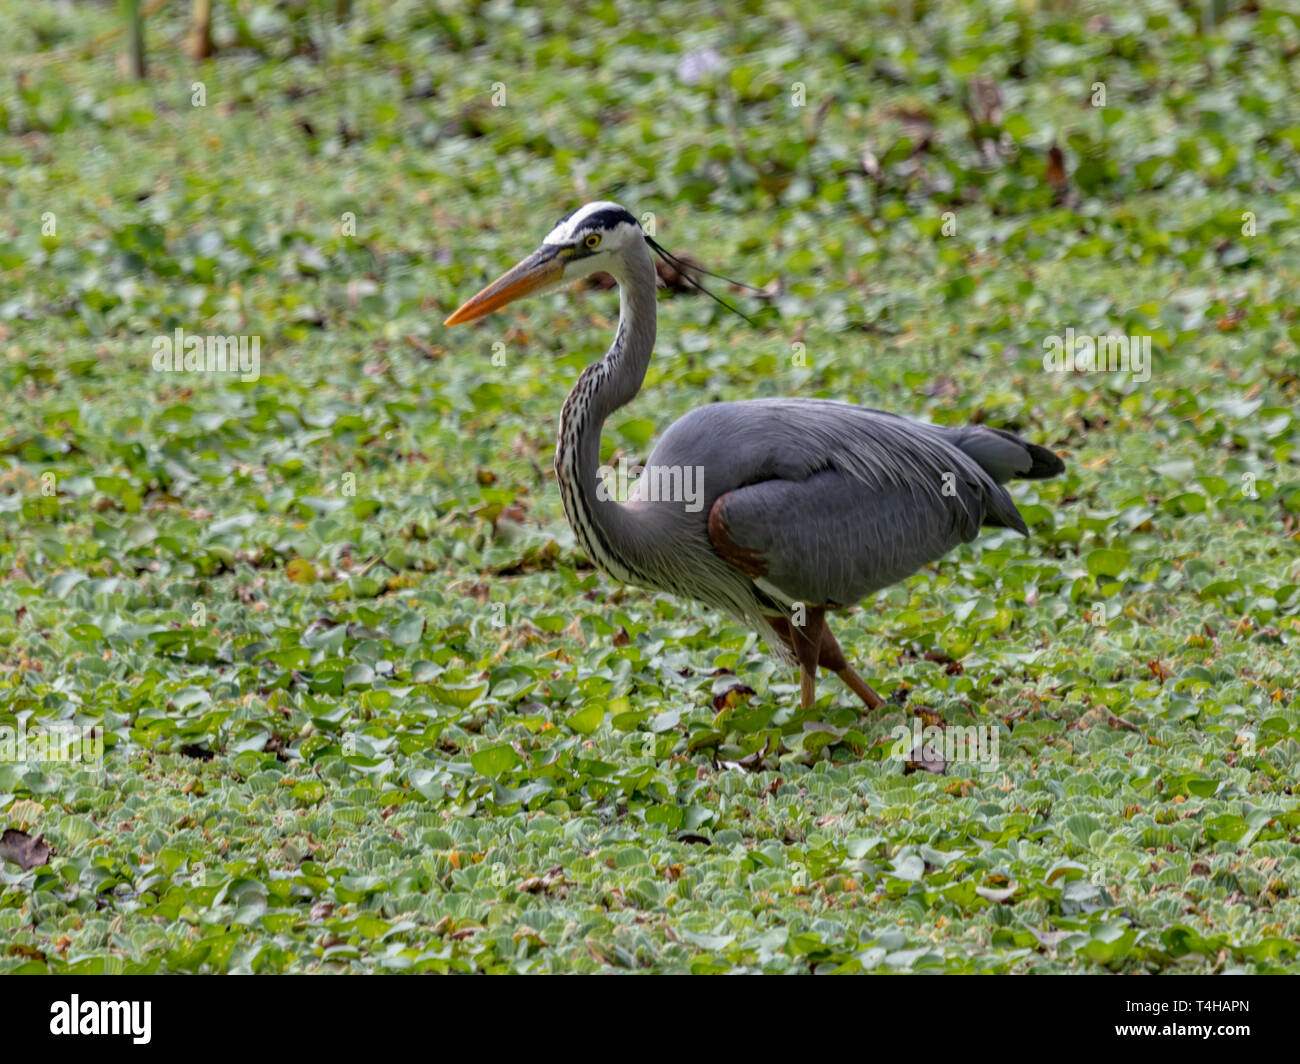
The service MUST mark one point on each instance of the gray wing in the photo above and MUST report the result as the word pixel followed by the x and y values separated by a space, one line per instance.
pixel 830 540
pixel 823 502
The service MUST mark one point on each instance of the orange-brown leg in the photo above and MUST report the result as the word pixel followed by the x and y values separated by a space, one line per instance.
pixel 814 645
pixel 832 657
pixel 804 641
pixel 807 686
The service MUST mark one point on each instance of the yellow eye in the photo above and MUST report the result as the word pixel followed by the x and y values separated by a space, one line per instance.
pixel 592 240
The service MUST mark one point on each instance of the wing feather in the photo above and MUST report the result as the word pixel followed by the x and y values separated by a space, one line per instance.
pixel 833 501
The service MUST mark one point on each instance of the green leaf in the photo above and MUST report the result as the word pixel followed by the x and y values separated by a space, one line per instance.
pixel 301 571
pixel 1106 562
pixel 408 631
pixel 495 760
pixel 585 721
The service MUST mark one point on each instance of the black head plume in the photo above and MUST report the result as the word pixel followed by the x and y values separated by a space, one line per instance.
pixel 686 270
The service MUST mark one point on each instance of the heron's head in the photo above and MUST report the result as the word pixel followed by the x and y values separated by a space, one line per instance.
pixel 596 236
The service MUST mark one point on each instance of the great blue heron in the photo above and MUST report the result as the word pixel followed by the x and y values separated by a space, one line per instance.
pixel 807 505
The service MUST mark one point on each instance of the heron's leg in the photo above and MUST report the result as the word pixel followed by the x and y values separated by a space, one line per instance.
pixel 805 641
pixel 807 687
pixel 860 687
pixel 816 633
pixel 831 657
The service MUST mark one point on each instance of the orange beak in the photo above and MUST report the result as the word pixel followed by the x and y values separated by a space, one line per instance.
pixel 542 268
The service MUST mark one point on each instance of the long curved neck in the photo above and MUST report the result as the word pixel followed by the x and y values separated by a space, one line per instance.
pixel 607 530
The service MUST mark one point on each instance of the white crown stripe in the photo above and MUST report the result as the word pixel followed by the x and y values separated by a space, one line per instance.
pixel 568 228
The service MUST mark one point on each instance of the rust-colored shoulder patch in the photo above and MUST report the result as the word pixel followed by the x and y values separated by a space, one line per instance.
pixel 746 559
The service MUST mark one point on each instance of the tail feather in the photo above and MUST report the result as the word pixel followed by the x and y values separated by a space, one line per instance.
pixel 1000 511
pixel 1005 456
pixel 1047 464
